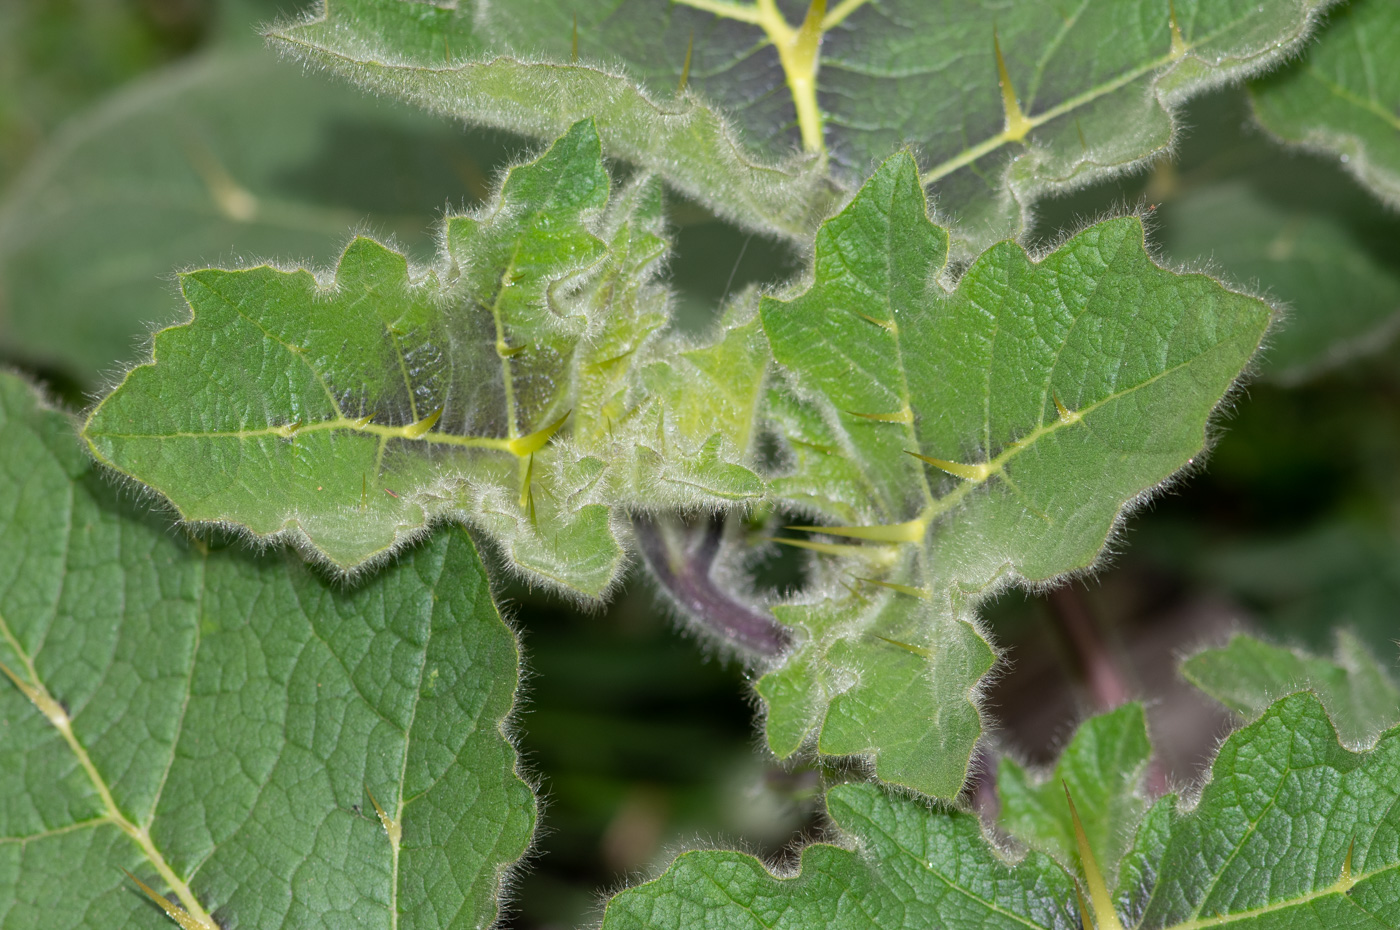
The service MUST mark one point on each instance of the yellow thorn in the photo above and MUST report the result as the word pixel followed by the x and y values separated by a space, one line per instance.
pixel 505 351
pixel 525 446
pixel 979 472
pixel 174 912
pixel 1067 416
pixel 910 532
pixel 390 826
pixel 290 430
pixel 574 59
pixel 525 496
pixel 889 326
pixel 919 651
pixel 362 422
pixel 414 430
pixel 920 593
pixel 685 69
pixel 1346 878
pixel 1017 126
pixel 1179 46
pixel 1083 142
pixel 1105 918
pixel 902 416
pixel 364 490
pixel 1084 922
pixel 837 549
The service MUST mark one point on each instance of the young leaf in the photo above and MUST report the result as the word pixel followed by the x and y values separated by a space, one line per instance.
pixel 888 676
pixel 1101 769
pixel 1292 831
pixel 1015 417
pixel 1343 97
pixel 1246 675
pixel 223 727
pixel 456 61
pixel 352 414
pixel 994 431
pixel 232 153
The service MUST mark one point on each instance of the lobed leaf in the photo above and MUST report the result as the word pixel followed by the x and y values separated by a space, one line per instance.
pixel 1246 675
pixel 350 415
pixel 1343 97
pixel 1291 831
pixel 1003 105
pixel 1043 397
pixel 475 64
pixel 1102 770
pixel 223 727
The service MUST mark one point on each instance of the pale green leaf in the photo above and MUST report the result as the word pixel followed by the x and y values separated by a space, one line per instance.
pixel 888 677
pixel 216 723
pixel 1343 97
pixel 1292 832
pixel 1102 770
pixel 1246 675
pixel 229 156
pixel 392 396
pixel 458 62
pixel 1050 394
pixel 1293 227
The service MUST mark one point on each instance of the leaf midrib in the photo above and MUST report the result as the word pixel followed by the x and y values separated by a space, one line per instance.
pixel 112 814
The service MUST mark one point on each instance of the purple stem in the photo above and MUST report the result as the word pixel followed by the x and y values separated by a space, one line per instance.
pixel 686 577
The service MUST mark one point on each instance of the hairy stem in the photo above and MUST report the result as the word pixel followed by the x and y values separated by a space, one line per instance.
pixel 685 573
pixel 1099 665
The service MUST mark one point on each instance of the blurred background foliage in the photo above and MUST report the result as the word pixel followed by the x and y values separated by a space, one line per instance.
pixel 139 137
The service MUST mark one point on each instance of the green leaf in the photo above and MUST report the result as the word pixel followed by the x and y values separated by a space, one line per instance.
pixel 1102 770
pixel 1343 96
pixel 1045 396
pixel 1246 675
pixel 913 868
pixel 889 677
pixel 217 723
pixel 393 396
pixel 1095 87
pixel 229 155
pixel 1292 832
pixel 1295 228
pixel 467 63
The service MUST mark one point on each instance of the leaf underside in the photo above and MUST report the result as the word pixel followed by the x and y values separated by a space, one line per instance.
pixel 217 723
pixel 1095 86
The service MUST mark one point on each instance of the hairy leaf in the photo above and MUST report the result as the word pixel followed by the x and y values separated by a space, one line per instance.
pixel 1043 397
pixel 474 63
pixel 1292 832
pixel 394 396
pixel 227 156
pixel 223 726
pixel 1094 84
pixel 1101 769
pixel 1343 97
pixel 1091 87
pixel 1246 675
